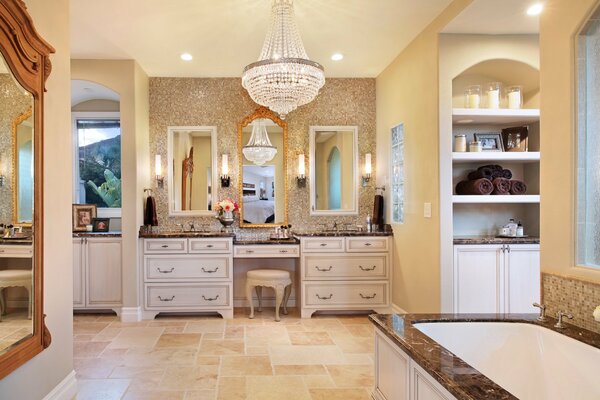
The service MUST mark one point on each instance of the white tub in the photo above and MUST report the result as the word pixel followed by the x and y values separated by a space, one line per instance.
pixel 529 361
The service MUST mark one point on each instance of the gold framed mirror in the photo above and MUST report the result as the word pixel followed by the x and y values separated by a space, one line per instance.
pixel 24 68
pixel 263 180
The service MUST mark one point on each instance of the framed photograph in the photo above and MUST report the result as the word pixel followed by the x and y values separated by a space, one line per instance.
pixel 490 141
pixel 516 139
pixel 100 224
pixel 83 214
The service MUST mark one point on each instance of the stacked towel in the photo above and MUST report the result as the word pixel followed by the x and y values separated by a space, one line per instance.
pixel 491 179
pixel 518 187
pixel 378 210
pixel 501 186
pixel 480 186
pixel 150 217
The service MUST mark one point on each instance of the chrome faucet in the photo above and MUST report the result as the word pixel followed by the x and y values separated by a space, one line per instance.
pixel 560 316
pixel 335 226
pixel 180 226
pixel 542 308
pixel 192 226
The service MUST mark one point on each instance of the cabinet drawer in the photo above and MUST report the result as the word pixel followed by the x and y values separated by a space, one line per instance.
pixel 186 267
pixel 323 245
pixel 187 296
pixel 210 245
pixel 346 294
pixel 345 267
pixel 153 246
pixel 270 251
pixel 16 251
pixel 367 244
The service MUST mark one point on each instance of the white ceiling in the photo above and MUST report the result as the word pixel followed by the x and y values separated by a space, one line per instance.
pixel 495 17
pixel 226 35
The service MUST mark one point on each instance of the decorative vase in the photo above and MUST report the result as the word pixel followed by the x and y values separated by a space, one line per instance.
pixel 226 219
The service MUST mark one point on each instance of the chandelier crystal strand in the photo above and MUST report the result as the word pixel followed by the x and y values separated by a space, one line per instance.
pixel 259 149
pixel 283 78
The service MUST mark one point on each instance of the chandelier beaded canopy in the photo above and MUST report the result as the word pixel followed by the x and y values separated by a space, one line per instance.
pixel 283 78
pixel 259 149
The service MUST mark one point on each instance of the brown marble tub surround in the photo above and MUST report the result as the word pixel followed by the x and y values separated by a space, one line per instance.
pixel 96 234
pixel 455 375
pixel 460 240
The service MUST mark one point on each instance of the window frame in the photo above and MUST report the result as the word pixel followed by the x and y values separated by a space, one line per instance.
pixel 103 212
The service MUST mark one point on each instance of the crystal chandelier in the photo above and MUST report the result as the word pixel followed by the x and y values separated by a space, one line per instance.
pixel 259 149
pixel 283 78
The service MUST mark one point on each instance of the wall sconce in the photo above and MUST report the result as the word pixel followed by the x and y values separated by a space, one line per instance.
pixel 301 178
pixel 367 176
pixel 225 179
pixel 160 180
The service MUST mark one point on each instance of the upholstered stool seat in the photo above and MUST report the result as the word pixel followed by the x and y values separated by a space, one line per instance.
pixel 278 279
pixel 15 278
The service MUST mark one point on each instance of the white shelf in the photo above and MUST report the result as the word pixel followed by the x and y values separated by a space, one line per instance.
pixel 493 199
pixel 487 116
pixel 491 156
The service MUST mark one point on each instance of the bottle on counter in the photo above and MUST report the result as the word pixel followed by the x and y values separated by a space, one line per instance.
pixel 369 223
pixel 512 227
pixel 520 232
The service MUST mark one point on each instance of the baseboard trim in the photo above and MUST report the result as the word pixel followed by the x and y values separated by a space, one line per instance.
pixel 398 310
pixel 65 390
pixel 131 314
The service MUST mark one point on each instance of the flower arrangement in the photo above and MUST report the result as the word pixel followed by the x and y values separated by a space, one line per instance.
pixel 226 206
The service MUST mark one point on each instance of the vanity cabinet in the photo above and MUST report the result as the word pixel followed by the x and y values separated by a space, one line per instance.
pixel 97 274
pixel 345 273
pixel 496 278
pixel 187 275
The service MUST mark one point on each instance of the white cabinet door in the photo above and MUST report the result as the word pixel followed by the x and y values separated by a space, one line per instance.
pixel 522 278
pixel 104 272
pixel 78 274
pixel 477 278
pixel 392 371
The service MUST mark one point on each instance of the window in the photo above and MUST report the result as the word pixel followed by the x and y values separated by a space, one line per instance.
pixel 397 174
pixel 588 157
pixel 97 161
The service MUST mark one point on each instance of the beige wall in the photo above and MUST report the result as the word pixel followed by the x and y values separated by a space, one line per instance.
pixel 40 375
pixel 131 83
pixel 407 93
pixel 559 23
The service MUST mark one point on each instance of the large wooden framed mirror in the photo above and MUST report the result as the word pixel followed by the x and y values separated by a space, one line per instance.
pixel 24 68
pixel 263 180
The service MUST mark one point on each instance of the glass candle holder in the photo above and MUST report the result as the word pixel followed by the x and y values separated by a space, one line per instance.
pixel 515 97
pixel 493 95
pixel 460 143
pixel 475 147
pixel 473 96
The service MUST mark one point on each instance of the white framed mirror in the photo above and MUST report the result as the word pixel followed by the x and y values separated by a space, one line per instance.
pixel 334 170
pixel 192 170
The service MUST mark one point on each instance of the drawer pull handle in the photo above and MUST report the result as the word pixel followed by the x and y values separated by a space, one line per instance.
pixel 368 244
pixel 165 299
pixel 323 244
pixel 323 269
pixel 249 251
pixel 210 246
pixel 165 271
pixel 210 271
pixel 164 246
pixel 368 297
pixel 283 251
pixel 210 299
pixel 324 297
pixel 367 269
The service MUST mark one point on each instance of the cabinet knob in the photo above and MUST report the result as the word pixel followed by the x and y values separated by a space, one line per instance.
pixel 210 246
pixel 368 244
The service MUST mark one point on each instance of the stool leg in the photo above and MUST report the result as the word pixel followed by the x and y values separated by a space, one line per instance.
pixel 30 302
pixel 2 305
pixel 286 297
pixel 249 297
pixel 259 295
pixel 278 297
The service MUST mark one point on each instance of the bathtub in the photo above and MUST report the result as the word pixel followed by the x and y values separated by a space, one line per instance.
pixel 529 361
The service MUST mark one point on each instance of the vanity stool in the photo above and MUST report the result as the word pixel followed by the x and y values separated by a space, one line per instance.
pixel 15 278
pixel 278 279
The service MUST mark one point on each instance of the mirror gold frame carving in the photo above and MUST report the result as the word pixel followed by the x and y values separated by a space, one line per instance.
pixel 262 113
pixel 15 125
pixel 26 54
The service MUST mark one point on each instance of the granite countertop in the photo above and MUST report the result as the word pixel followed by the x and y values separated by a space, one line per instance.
pixel 191 234
pixel 16 242
pixel 496 240
pixel 247 242
pixel 341 233
pixel 458 377
pixel 96 234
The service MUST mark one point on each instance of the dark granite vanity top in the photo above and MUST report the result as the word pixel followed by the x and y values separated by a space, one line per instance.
pixel 191 234
pixel 18 242
pixel 96 234
pixel 458 377
pixel 248 242
pixel 341 233
pixel 496 240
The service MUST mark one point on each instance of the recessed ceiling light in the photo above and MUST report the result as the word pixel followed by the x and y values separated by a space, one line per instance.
pixel 535 9
pixel 337 56
pixel 186 57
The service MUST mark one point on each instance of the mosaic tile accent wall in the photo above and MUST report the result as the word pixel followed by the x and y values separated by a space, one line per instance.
pixel 575 296
pixel 13 103
pixel 223 102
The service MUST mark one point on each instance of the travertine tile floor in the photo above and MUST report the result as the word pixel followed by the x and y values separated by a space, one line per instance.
pixel 14 326
pixel 192 357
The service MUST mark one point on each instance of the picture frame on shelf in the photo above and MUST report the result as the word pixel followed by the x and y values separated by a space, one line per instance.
pixel 490 141
pixel 83 214
pixel 516 139
pixel 100 224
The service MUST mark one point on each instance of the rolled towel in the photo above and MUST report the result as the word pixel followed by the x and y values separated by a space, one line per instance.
pixel 477 187
pixel 518 187
pixel 481 173
pixel 493 167
pixel 501 186
pixel 507 174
